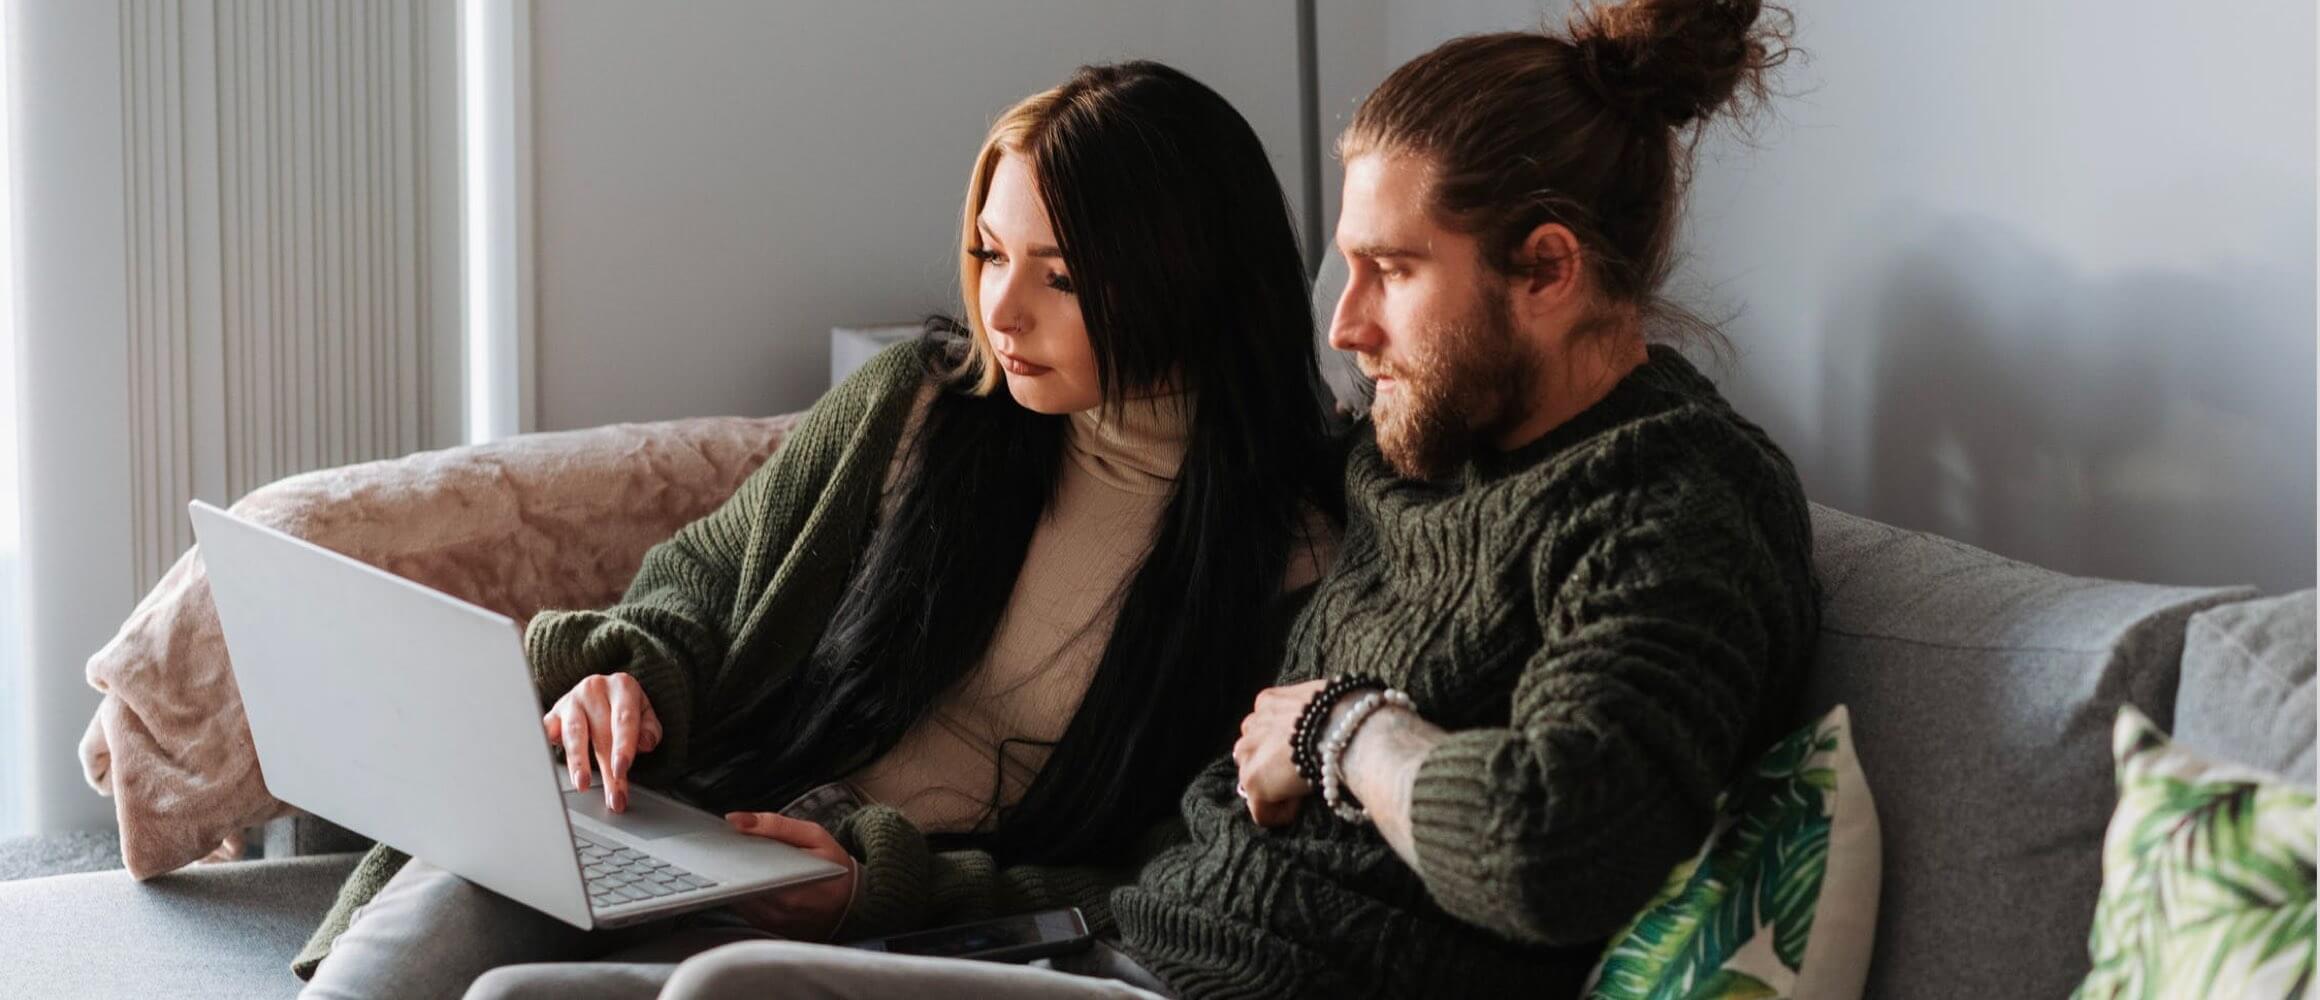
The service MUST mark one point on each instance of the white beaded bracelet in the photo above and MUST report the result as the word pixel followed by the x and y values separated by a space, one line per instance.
pixel 1333 746
pixel 1340 737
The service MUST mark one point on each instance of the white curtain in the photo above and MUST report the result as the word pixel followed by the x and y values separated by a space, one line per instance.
pixel 238 228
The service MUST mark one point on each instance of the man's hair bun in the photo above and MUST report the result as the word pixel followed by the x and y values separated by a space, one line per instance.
pixel 1676 62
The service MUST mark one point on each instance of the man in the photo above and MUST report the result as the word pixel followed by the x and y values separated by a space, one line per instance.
pixel 1588 575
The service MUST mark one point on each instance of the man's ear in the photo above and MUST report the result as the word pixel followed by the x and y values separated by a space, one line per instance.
pixel 1547 264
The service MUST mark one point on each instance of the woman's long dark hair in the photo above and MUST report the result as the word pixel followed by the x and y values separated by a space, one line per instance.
pixel 1179 240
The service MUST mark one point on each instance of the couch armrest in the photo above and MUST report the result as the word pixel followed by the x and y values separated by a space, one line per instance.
pixel 551 520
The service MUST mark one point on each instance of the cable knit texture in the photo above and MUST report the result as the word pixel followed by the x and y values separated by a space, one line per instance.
pixel 1607 621
pixel 736 600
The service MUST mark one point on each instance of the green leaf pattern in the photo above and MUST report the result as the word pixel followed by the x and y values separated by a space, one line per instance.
pixel 1732 921
pixel 2207 878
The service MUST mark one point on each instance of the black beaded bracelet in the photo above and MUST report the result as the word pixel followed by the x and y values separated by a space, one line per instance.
pixel 1305 739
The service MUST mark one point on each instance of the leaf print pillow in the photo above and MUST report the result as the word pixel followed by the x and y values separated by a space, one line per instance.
pixel 2207 877
pixel 1782 899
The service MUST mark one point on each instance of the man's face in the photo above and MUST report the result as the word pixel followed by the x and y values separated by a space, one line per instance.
pixel 1427 320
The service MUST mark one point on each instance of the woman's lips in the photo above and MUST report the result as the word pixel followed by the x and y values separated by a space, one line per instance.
pixel 1019 366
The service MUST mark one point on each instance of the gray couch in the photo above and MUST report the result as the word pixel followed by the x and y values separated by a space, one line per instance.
pixel 1982 690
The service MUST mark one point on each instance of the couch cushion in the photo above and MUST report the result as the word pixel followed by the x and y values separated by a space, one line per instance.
pixel 222 930
pixel 2207 878
pixel 2247 685
pixel 1782 898
pixel 1983 691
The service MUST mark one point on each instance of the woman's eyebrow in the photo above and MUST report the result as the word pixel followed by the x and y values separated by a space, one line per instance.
pixel 1035 250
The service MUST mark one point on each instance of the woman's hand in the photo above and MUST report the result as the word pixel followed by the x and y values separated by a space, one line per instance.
pixel 809 912
pixel 1268 778
pixel 607 718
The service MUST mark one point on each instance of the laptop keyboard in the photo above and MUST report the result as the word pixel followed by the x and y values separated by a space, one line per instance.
pixel 619 875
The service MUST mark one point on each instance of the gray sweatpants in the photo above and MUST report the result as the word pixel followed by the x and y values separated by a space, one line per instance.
pixel 797 970
pixel 431 934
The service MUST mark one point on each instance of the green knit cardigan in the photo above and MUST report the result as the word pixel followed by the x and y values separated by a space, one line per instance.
pixel 744 593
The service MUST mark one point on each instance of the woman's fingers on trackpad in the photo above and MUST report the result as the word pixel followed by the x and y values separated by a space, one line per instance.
pixel 602 724
pixel 576 751
pixel 628 710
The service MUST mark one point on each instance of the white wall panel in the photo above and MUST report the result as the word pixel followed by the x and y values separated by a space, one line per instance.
pixel 2039 277
pixel 720 183
pixel 237 227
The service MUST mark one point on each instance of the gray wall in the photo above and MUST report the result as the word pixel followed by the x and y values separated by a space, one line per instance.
pixel 2038 276
pixel 718 184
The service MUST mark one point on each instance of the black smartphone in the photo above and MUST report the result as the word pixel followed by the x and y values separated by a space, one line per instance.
pixel 1007 939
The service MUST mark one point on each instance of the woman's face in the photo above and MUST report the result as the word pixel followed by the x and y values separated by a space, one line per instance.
pixel 1029 310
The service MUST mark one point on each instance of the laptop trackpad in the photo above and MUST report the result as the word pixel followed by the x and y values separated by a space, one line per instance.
pixel 649 817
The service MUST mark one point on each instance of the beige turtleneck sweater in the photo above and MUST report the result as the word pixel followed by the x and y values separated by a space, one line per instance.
pixel 986 738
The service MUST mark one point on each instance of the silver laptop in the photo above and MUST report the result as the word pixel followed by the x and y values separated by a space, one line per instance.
pixel 408 716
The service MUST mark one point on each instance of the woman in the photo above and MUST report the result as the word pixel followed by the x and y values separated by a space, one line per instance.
pixel 1006 588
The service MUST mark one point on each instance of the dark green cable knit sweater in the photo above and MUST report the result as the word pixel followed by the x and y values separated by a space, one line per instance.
pixel 1606 621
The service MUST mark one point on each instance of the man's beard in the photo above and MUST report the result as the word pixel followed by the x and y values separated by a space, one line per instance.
pixel 1468 380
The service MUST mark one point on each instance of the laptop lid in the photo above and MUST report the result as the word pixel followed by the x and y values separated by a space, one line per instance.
pixel 394 710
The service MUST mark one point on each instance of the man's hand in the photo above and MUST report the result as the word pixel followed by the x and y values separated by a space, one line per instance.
pixel 1379 767
pixel 809 912
pixel 1268 778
